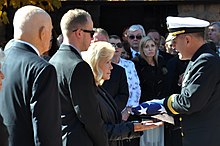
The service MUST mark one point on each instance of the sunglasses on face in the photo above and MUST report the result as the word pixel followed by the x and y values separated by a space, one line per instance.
pixel 118 45
pixel 87 31
pixel 138 37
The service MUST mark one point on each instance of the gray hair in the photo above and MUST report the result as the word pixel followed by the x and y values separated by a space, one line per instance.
pixel 23 16
pixel 216 23
pixel 137 27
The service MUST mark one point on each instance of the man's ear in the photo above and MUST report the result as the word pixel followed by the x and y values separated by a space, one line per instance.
pixel 78 33
pixel 188 39
pixel 42 32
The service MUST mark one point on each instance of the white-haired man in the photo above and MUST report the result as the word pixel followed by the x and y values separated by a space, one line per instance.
pixel 134 35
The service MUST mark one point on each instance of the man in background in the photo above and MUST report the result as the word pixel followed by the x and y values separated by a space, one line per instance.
pixel 214 34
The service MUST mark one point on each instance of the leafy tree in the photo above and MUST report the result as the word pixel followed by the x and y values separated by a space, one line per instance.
pixel 47 5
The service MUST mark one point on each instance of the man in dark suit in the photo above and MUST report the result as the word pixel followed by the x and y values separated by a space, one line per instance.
pixel 117 86
pixel 29 100
pixel 81 119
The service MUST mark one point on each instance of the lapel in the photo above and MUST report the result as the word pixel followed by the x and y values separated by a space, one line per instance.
pixel 65 47
pixel 107 97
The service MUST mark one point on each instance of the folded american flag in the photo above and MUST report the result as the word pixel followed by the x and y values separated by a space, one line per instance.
pixel 154 109
pixel 149 108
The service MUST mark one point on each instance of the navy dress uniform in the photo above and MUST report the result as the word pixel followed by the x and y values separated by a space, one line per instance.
pixel 198 104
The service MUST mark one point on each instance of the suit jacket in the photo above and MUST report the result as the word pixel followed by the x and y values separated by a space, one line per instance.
pixel 198 104
pixel 117 130
pixel 117 86
pixel 81 119
pixel 3 133
pixel 29 100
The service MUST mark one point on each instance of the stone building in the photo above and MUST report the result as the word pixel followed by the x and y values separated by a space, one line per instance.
pixel 114 16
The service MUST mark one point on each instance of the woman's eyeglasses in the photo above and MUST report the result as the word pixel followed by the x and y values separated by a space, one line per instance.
pixel 118 45
pixel 138 37
pixel 87 31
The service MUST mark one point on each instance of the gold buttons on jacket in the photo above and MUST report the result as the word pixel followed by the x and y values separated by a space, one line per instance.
pixel 180 119
pixel 182 134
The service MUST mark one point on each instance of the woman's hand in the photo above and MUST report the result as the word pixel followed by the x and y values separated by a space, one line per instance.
pixel 126 113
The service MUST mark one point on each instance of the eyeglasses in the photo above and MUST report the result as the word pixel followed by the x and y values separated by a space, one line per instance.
pixel 87 31
pixel 138 37
pixel 118 45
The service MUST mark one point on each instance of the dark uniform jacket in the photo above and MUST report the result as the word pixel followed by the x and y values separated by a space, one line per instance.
pixel 117 130
pixel 199 101
pixel 81 119
pixel 29 100
pixel 117 86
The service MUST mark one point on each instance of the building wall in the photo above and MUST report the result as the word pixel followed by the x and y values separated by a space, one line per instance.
pixel 210 12
pixel 105 14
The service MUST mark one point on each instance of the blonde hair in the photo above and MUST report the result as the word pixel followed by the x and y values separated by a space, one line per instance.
pixel 143 41
pixel 96 52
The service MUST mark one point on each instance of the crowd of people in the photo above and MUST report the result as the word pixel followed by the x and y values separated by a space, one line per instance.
pixel 80 88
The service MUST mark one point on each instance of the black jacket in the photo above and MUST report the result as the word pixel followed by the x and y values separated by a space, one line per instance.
pixel 199 100
pixel 117 86
pixel 117 130
pixel 81 120
pixel 152 78
pixel 29 100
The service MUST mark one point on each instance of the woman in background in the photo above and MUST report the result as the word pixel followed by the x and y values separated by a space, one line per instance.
pixel 151 70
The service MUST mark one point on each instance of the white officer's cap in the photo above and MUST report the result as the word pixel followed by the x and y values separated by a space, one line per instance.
pixel 181 25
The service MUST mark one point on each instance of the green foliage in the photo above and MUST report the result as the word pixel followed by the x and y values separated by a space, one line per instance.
pixel 47 5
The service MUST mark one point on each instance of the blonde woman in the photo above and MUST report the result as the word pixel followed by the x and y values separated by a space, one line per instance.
pixel 99 57
pixel 151 71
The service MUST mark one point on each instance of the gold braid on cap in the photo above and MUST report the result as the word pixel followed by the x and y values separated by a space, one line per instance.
pixel 177 32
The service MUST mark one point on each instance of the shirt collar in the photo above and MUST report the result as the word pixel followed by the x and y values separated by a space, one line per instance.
pixel 78 50
pixel 35 49
pixel 134 52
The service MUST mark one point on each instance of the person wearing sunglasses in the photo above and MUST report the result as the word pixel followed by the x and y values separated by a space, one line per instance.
pixel 100 35
pixel 131 73
pixel 82 124
pixel 134 35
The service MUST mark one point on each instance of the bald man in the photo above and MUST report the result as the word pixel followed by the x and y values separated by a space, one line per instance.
pixel 29 100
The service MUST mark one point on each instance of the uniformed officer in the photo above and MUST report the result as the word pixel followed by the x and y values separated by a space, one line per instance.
pixel 199 100
pixel 198 104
